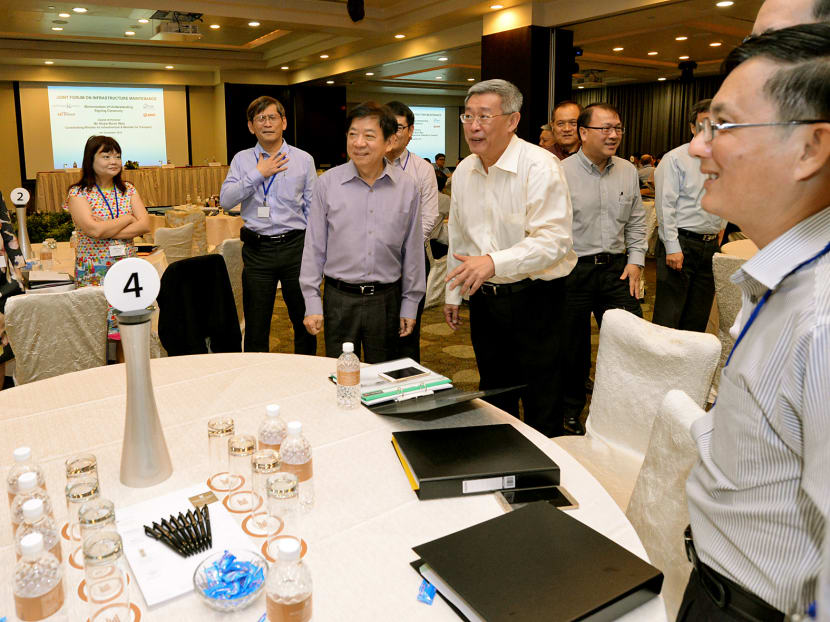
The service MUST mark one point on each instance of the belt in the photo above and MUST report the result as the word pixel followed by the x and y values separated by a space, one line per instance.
pixel 703 237
pixel 727 594
pixel 246 235
pixel 601 258
pixel 363 289
pixel 505 289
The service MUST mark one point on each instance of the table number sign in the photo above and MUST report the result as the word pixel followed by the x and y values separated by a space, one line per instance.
pixel 132 284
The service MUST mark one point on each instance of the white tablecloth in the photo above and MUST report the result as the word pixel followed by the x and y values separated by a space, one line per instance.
pixel 366 517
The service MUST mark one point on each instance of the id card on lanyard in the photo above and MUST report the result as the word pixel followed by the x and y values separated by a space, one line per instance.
pixel 116 249
pixel 263 211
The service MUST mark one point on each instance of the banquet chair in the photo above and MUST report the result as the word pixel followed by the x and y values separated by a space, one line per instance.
pixel 637 364
pixel 658 509
pixel 177 243
pixel 435 280
pixel 54 334
pixel 194 214
pixel 231 252
pixel 728 296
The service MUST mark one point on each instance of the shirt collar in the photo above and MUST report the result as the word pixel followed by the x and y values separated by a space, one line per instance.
pixel 590 166
pixel 352 173
pixel 508 160
pixel 258 148
pixel 402 159
pixel 768 267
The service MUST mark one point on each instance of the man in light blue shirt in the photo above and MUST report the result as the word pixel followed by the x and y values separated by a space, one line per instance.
pixel 689 237
pixel 273 181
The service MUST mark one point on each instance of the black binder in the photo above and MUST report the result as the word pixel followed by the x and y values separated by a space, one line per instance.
pixel 539 564
pixel 453 462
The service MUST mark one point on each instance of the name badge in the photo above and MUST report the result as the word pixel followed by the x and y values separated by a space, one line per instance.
pixel 118 250
pixel 263 211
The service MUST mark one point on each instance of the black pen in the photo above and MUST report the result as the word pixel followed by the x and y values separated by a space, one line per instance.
pixel 191 529
pixel 173 533
pixel 160 537
pixel 206 516
pixel 183 530
pixel 200 539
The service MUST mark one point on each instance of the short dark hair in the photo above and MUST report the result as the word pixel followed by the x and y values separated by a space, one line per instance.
pixel 562 104
pixel 400 109
pixel 587 113
pixel 698 108
pixel 94 144
pixel 440 155
pixel 801 87
pixel 387 121
pixel 261 103
pixel 821 10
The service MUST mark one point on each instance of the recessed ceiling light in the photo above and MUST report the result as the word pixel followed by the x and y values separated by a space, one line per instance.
pixel 56 28
pixel 48 62
pixel 652 53
pixel 681 38
pixel 715 44
pixel 129 33
pixel 64 15
pixel 661 79
pixel 580 87
pixel 369 73
pixel 143 21
pixel 439 77
pixel 329 81
pixel 400 36
pixel 79 9
pixel 724 4
pixel 443 58
pixel 496 6
pixel 618 49
pixel 471 79
pixel 324 55
pixel 284 67
pixel 253 24
pixel 215 26
pixel 683 57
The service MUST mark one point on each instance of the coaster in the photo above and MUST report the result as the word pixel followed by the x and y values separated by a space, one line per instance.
pixel 102 615
pixel 239 502
pixel 76 558
pixel 273 525
pixel 70 535
pixel 233 482
pixel 82 588
pixel 269 547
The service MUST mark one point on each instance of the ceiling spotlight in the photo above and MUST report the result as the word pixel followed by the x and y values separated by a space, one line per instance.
pixel 618 49
pixel 79 9
pixel 329 81
pixel 661 79
pixel 369 73
pixel 724 4
pixel 284 67
pixel 64 15
pixel 715 44
pixel 443 58
pixel 400 36
pixel 652 53
pixel 56 28
pixel 215 26
pixel 496 6
pixel 681 38
pixel 684 57
pixel 439 77
pixel 168 67
pixel 471 79
pixel 253 24
pixel 324 56
pixel 48 62
pixel 144 21
pixel 580 87
pixel 129 33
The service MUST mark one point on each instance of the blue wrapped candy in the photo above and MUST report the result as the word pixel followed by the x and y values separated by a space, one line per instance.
pixel 228 579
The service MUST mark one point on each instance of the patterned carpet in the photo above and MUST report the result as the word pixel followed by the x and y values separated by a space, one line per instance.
pixel 442 350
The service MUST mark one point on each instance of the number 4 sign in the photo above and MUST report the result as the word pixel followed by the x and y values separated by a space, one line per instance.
pixel 131 284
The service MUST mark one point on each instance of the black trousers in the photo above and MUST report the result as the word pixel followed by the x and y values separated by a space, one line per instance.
pixel 684 297
pixel 591 288
pixel 517 340
pixel 266 262
pixel 411 344
pixel 697 605
pixel 372 323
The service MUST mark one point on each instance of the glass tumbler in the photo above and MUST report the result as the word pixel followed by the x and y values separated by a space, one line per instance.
pixel 282 489
pixel 220 429
pixel 240 449
pixel 81 466
pixel 78 492
pixel 264 463
pixel 96 515
pixel 107 588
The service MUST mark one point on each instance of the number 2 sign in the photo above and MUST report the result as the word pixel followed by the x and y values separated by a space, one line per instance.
pixel 131 284
pixel 20 196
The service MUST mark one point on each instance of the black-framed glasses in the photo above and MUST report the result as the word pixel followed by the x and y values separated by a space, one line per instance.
pixel 607 129
pixel 401 128
pixel 262 118
pixel 710 130
pixel 483 119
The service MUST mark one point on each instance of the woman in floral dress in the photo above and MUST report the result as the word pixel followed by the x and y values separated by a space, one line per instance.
pixel 108 213
pixel 11 261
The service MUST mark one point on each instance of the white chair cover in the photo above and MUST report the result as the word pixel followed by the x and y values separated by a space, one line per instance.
pixel 53 334
pixel 637 364
pixel 658 509
pixel 177 243
pixel 183 214
pixel 231 251
pixel 729 302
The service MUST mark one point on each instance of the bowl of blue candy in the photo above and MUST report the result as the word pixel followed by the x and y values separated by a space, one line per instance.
pixel 230 581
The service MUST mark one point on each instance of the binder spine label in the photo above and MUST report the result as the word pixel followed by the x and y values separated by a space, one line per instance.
pixel 486 484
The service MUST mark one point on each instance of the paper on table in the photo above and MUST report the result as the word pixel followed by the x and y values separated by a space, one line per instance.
pixel 162 574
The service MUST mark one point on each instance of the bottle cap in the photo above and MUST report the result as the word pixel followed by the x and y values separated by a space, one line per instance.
pixel 32 510
pixel 27 481
pixel 294 428
pixel 22 454
pixel 348 347
pixel 272 410
pixel 288 549
pixel 32 544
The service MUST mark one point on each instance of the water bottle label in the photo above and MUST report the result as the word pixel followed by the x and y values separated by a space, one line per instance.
pixel 39 607
pixel 302 471
pixel 348 378
pixel 288 612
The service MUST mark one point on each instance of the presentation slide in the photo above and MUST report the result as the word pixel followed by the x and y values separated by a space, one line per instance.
pixel 132 116
pixel 428 138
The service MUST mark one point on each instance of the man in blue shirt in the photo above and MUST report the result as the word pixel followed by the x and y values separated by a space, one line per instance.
pixel 273 181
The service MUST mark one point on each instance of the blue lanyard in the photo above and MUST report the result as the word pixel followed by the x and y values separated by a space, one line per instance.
pixel 103 196
pixel 408 153
pixel 766 296
pixel 266 190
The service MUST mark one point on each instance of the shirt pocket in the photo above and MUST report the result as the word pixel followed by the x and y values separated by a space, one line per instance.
pixel 625 207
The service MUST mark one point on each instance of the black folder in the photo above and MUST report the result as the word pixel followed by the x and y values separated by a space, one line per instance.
pixel 539 564
pixel 453 462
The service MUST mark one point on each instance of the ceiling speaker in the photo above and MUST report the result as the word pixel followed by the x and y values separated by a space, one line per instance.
pixel 356 10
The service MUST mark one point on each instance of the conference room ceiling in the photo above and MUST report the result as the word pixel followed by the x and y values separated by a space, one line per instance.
pixel 315 41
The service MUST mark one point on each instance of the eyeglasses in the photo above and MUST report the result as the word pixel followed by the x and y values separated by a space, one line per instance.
pixel 401 128
pixel 483 119
pixel 607 129
pixel 262 118
pixel 710 130
pixel 108 158
pixel 561 124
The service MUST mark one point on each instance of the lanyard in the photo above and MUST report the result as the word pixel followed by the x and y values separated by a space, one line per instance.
pixel 266 190
pixel 408 153
pixel 766 296
pixel 103 196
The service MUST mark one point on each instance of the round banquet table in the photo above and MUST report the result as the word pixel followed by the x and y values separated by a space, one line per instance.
pixel 366 517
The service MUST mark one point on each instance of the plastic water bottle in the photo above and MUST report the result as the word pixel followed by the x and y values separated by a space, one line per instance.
pixel 27 488
pixel 36 521
pixel 295 452
pixel 38 581
pixel 289 586
pixel 272 429
pixel 23 463
pixel 348 378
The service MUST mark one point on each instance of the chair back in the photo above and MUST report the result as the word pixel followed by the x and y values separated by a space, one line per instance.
pixel 177 243
pixel 181 215
pixel 231 252
pixel 657 509
pixel 54 334
pixel 728 296
pixel 637 364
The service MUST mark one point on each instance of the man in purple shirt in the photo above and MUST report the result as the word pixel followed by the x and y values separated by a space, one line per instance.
pixel 273 181
pixel 364 236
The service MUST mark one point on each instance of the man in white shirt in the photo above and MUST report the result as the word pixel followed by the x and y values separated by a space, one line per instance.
pixel 424 175
pixel 510 247
pixel 688 238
